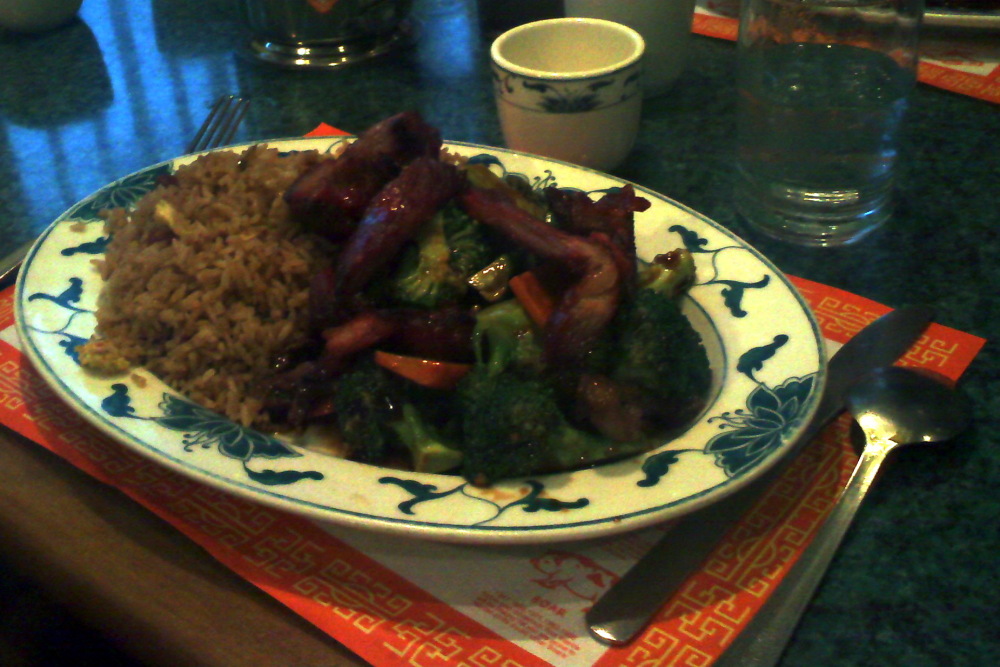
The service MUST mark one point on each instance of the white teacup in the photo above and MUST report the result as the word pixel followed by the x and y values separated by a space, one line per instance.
pixel 570 89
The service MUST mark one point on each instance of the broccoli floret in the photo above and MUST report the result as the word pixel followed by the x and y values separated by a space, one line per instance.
pixel 512 427
pixel 504 337
pixel 378 417
pixel 670 273
pixel 513 424
pixel 426 278
pixel 428 451
pixel 434 270
pixel 653 346
pixel 469 240
pixel 364 404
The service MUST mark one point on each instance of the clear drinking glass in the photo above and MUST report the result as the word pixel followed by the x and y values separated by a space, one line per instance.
pixel 823 86
pixel 322 34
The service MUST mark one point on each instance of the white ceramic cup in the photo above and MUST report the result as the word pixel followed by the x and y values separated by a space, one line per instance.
pixel 36 15
pixel 664 24
pixel 570 89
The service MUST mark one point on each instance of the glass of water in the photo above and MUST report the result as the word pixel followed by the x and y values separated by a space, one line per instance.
pixel 823 86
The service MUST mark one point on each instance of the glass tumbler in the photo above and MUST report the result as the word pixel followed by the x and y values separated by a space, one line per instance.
pixel 322 34
pixel 823 87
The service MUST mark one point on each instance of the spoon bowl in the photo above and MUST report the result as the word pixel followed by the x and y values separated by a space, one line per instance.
pixel 904 406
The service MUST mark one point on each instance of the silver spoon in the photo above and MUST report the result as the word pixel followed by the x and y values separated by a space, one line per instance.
pixel 893 406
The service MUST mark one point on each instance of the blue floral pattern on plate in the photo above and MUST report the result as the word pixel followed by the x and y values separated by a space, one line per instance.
pixel 768 372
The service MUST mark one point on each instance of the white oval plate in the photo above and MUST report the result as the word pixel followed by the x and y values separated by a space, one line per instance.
pixel 764 345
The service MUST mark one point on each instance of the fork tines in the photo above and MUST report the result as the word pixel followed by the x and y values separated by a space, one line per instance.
pixel 220 125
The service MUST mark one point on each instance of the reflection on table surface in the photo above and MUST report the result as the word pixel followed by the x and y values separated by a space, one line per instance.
pixel 127 84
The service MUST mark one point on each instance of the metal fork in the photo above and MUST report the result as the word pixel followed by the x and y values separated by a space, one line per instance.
pixel 220 125
pixel 217 130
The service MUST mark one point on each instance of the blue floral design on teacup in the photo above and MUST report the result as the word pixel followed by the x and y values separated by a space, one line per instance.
pixel 569 96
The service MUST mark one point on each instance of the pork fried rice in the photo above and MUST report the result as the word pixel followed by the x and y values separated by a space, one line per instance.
pixel 207 280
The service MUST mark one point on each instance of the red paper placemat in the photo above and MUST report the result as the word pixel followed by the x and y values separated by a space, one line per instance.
pixel 439 604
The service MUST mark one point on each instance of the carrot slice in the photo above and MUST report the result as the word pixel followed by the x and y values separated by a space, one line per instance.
pixel 427 372
pixel 533 297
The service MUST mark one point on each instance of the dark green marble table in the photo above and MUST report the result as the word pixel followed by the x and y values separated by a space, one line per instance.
pixel 127 84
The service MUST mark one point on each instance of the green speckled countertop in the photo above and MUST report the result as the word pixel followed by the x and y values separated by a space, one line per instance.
pixel 916 581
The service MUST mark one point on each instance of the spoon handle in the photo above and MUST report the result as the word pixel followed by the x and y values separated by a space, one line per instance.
pixel 763 640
